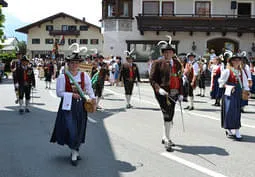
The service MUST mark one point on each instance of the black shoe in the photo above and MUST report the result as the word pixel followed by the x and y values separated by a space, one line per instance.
pixel 198 94
pixel 242 110
pixel 229 135
pixel 21 111
pixel 186 107
pixel 169 149
pixel 170 142
pixel 74 162
pixel 202 95
pixel 185 100
pixel 128 106
pixel 16 101
pixel 238 138
pixel 27 110
pixel 191 108
pixel 217 104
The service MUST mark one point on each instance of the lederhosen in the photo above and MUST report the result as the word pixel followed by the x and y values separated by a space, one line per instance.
pixel 25 79
pixel 100 82
pixel 190 77
pixel 201 81
pixel 70 126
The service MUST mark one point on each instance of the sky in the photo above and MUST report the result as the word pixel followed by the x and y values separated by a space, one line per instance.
pixel 20 13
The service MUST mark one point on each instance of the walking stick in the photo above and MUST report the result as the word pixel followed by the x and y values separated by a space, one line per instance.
pixel 32 95
pixel 183 128
pixel 139 93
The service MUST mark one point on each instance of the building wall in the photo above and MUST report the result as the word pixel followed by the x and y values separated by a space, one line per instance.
pixel 115 41
pixel 41 33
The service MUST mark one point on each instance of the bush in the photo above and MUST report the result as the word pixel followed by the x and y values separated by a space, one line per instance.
pixel 7 58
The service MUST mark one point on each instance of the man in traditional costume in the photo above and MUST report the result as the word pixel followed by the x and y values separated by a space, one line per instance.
pixel 129 73
pixel 191 72
pixel 25 80
pixel 166 80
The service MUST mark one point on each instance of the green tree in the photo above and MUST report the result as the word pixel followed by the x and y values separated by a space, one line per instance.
pixel 22 47
pixel 1 25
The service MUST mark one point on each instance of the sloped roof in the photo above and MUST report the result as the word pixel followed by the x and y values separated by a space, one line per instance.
pixel 8 41
pixel 50 18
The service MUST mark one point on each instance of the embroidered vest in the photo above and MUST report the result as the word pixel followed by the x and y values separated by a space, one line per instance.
pixel 174 80
pixel 69 87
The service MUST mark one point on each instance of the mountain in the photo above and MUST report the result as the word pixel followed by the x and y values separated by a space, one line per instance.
pixel 11 23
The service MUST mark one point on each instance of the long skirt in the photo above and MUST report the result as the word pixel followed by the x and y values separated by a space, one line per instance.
pixel 231 110
pixel 70 126
pixel 215 91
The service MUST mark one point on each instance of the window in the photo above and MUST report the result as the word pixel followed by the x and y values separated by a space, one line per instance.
pixel 49 41
pixel 93 41
pixel 49 27
pixel 62 42
pixel 71 41
pixel 124 8
pixel 64 28
pixel 111 10
pixel 72 28
pixel 84 27
pixel 83 41
pixel 35 41
pixel 203 8
pixel 151 8
pixel 167 8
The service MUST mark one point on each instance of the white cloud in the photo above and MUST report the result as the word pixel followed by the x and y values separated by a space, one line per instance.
pixel 30 11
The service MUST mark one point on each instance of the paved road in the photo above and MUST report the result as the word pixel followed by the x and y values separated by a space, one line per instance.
pixel 121 142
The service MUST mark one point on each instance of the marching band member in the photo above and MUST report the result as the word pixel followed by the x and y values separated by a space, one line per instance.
pixel 166 80
pixel 191 72
pixel 129 73
pixel 71 121
pixel 25 80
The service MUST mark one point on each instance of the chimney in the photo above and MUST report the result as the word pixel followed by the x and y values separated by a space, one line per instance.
pixel 83 19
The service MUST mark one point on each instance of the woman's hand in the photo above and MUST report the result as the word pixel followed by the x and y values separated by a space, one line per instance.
pixel 76 96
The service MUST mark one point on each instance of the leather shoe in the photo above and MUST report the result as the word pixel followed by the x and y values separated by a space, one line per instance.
pixel 170 142
pixel 191 108
pixel 74 162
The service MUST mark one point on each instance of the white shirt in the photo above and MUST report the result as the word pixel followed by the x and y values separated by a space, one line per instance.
pixel 61 85
pixel 224 78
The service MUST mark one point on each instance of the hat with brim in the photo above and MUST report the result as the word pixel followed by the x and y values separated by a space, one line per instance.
pixel 191 54
pixel 24 58
pixel 74 57
pixel 129 57
pixel 167 47
pixel 235 57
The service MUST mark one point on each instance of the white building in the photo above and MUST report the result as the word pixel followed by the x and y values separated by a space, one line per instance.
pixel 195 25
pixel 63 29
pixel 9 45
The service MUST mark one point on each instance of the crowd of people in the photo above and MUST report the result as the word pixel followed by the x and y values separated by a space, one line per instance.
pixel 173 79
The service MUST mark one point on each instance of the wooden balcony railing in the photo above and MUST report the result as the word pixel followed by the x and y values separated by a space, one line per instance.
pixel 196 23
pixel 66 33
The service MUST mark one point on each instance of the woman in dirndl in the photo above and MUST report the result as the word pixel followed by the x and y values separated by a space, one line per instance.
pixel 234 80
pixel 71 121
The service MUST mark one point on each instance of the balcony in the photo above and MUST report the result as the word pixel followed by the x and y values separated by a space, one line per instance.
pixel 66 33
pixel 195 23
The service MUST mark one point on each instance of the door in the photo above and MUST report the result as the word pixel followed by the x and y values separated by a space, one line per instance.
pixel 218 44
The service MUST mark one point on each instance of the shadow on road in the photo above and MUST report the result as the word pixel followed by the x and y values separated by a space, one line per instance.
pixel 195 150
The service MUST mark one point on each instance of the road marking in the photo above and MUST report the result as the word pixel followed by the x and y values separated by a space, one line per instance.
pixel 89 118
pixel 92 120
pixel 52 94
pixel 192 165
pixel 192 113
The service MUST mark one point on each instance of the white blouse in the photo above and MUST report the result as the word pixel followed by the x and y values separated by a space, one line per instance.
pixel 61 84
pixel 224 78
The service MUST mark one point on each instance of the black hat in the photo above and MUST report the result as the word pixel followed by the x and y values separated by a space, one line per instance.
pixel 74 57
pixel 191 54
pixel 18 53
pixel 24 58
pixel 235 56
pixel 167 47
